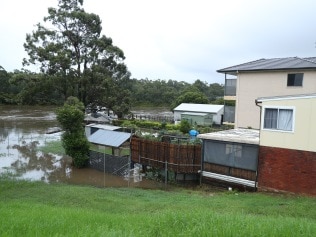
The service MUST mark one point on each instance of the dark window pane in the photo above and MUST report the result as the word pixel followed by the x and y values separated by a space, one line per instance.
pixel 290 79
pixel 295 79
pixel 298 79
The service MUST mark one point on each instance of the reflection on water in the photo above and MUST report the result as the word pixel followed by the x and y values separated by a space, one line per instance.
pixel 23 130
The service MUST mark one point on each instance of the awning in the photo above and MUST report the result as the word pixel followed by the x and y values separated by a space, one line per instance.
pixel 238 135
pixel 109 138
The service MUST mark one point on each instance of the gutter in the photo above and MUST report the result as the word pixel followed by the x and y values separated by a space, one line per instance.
pixel 259 104
pixel 229 179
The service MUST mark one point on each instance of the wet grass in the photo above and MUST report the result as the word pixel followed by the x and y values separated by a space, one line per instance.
pixel 54 147
pixel 38 209
pixel 108 150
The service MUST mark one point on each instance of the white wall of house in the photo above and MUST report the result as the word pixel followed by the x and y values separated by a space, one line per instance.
pixel 304 131
pixel 252 85
pixel 177 115
pixel 217 118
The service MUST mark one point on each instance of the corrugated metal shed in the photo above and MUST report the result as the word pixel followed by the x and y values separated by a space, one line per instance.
pixel 203 108
pixel 109 138
pixel 103 126
pixel 272 64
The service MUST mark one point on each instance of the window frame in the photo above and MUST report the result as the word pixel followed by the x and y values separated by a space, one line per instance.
pixel 295 74
pixel 278 108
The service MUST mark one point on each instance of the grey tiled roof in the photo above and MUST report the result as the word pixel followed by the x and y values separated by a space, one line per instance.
pixel 273 64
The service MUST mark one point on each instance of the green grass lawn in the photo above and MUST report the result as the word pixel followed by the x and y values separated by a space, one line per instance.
pixel 39 209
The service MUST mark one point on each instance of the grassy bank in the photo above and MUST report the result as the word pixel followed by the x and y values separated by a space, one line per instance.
pixel 38 209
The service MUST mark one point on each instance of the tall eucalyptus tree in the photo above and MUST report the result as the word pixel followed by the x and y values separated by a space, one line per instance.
pixel 70 48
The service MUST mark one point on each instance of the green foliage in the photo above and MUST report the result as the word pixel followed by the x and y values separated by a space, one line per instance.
pixel 230 102
pixel 108 150
pixel 218 101
pixel 126 124
pixel 215 91
pixel 75 143
pixel 70 118
pixel 147 124
pixel 163 92
pixel 156 92
pixel 100 88
pixel 7 90
pixel 185 126
pixel 171 126
pixel 74 101
pixel 80 61
pixel 191 97
pixel 39 209
pixel 76 146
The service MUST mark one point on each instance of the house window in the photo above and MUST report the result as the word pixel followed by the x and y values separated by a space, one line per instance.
pixel 295 79
pixel 278 119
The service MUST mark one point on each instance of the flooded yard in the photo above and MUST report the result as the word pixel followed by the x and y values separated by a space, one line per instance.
pixel 23 129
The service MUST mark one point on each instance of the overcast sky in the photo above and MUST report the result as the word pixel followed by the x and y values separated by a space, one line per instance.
pixel 182 40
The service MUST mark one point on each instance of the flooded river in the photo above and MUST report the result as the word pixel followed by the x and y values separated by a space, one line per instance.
pixel 23 129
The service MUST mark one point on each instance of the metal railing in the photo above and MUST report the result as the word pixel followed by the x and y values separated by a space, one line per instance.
pixel 230 87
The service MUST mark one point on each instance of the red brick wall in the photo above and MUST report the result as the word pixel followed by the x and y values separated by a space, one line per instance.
pixel 287 170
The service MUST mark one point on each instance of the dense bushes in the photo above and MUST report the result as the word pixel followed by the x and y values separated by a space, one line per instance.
pixel 155 130
pixel 134 124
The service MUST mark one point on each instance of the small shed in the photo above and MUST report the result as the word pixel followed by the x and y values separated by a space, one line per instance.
pixel 113 139
pixel 92 128
pixel 200 114
pixel 204 119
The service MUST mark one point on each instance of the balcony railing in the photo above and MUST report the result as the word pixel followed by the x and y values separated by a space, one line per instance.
pixel 230 87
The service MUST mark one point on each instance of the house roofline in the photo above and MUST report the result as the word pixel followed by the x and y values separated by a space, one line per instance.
pixel 274 64
pixel 235 72
pixel 287 97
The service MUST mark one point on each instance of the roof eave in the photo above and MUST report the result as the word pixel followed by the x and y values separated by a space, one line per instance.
pixel 235 72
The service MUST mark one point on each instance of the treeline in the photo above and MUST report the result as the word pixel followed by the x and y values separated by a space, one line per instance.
pixel 75 59
pixel 24 87
pixel 172 93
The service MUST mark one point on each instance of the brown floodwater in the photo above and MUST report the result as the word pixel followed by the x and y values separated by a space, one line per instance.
pixel 23 129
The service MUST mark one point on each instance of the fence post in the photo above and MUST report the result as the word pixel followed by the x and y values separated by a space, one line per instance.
pixel 166 172
pixel 104 167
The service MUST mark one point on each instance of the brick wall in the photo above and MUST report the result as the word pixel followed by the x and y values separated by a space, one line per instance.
pixel 287 170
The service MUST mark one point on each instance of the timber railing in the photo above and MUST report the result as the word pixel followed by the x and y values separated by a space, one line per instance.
pixel 174 157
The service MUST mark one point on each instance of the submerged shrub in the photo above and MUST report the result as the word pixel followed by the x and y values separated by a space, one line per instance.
pixel 75 143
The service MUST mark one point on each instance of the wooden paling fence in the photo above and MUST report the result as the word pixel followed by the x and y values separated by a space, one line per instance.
pixel 173 157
